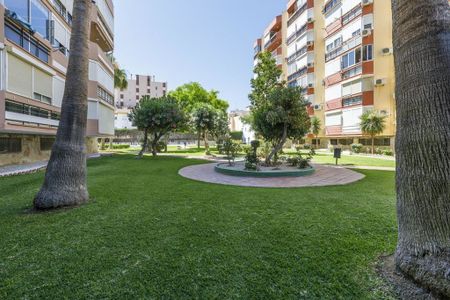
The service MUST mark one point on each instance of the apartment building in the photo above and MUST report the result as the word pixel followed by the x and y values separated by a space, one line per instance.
pixel 340 52
pixel 235 123
pixel 274 41
pixel 138 87
pixel 34 52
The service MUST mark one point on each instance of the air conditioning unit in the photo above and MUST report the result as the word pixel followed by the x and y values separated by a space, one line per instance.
pixel 317 107
pixel 380 82
pixel 310 85
pixel 310 65
pixel 310 43
pixel 387 51
pixel 310 20
pixel 366 2
pixel 366 32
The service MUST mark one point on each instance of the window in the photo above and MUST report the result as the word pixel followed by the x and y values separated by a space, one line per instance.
pixel 377 142
pixel 352 101
pixel 55 116
pixel 20 7
pixel 46 143
pixel 330 5
pixel 10 145
pixel 148 80
pixel 105 96
pixel 351 58
pixel 334 142
pixel 137 97
pixel 345 142
pixel 42 98
pixel 30 110
pixel 121 96
pixel 367 52
pixel 40 18
pixel 316 142
pixel 24 40
pixel 137 79
pixel 137 90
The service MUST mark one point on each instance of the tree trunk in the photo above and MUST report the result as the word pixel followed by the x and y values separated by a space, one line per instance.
pixel 422 59
pixel 205 138
pixel 155 145
pixel 144 145
pixel 373 145
pixel 278 147
pixel 65 179
pixel 198 139
pixel 102 146
pixel 317 143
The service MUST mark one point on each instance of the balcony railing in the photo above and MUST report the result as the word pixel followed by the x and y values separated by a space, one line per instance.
pixel 351 72
pixel 348 44
pixel 297 13
pixel 297 73
pixel 296 34
pixel 330 5
pixel 297 54
pixel 272 39
pixel 354 13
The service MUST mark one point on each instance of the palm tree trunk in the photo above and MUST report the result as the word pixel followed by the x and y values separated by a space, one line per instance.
pixel 198 139
pixel 65 179
pixel 373 145
pixel 144 144
pixel 422 60
pixel 205 138
pixel 317 143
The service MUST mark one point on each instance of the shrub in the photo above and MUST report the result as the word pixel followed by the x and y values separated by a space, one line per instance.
pixel 236 135
pixel 255 144
pixel 119 146
pixel 357 148
pixel 388 152
pixel 307 146
pixel 298 159
pixel 231 149
pixel 251 157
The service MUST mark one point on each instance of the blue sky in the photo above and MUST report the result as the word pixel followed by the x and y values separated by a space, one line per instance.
pixel 209 41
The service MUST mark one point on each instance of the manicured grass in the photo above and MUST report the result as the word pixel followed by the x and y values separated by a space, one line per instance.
pixel 354 160
pixel 149 233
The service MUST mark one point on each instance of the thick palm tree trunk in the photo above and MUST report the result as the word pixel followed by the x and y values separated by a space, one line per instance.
pixel 65 180
pixel 422 59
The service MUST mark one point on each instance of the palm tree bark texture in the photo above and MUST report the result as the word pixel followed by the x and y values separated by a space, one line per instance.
pixel 421 34
pixel 65 179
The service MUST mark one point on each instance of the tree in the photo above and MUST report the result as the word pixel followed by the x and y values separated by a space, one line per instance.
pixel 191 94
pixel 422 60
pixel 267 78
pixel 372 124
pixel 204 121
pixel 65 179
pixel 120 78
pixel 156 117
pixel 315 128
pixel 283 116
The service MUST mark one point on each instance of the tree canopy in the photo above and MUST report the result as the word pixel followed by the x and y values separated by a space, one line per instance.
pixel 209 120
pixel 191 94
pixel 283 116
pixel 157 117
pixel 372 124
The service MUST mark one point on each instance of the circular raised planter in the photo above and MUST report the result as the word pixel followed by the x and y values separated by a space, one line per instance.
pixel 238 169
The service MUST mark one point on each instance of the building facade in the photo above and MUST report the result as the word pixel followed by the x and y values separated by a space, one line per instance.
pixel 340 52
pixel 138 87
pixel 34 52
pixel 235 123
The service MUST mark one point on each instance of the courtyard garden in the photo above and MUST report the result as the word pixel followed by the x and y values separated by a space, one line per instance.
pixel 136 240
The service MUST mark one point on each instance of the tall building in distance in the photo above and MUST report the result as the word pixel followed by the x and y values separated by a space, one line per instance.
pixel 138 87
pixel 34 53
pixel 340 52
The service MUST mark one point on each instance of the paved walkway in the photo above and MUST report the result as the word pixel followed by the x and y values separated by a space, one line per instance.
pixel 324 176
pixel 13 170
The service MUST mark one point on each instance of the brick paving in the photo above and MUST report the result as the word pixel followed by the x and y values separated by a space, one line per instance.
pixel 324 176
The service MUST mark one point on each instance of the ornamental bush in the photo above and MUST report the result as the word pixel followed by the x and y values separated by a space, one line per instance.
pixel 357 148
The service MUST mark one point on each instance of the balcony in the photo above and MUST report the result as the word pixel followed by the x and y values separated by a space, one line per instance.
pixel 298 74
pixel 296 34
pixel 354 41
pixel 274 42
pixel 101 33
pixel 296 14
pixel 330 6
pixel 296 55
pixel 334 130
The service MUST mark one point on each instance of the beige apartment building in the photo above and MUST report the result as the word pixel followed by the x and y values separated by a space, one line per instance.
pixel 34 52
pixel 138 87
pixel 340 52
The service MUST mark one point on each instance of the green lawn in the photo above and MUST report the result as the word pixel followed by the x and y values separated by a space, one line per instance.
pixel 353 160
pixel 149 233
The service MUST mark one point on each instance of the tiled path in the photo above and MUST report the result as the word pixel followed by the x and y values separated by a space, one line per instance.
pixel 29 168
pixel 324 176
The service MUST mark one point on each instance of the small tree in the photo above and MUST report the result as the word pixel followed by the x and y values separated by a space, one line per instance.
pixel 157 117
pixel 283 116
pixel 267 78
pixel 315 128
pixel 372 124
pixel 204 121
pixel 231 148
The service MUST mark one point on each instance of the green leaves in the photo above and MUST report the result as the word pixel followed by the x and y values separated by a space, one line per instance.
pixel 372 122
